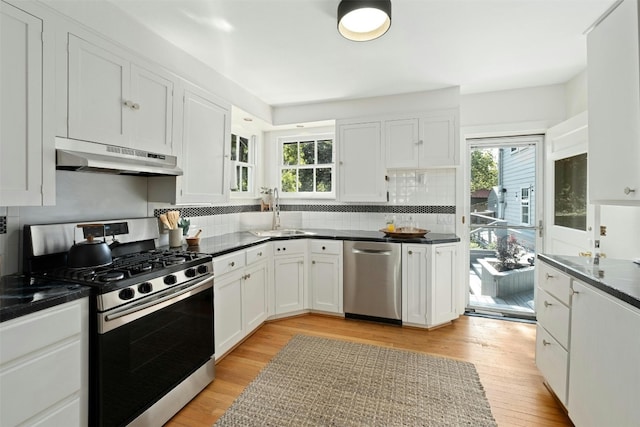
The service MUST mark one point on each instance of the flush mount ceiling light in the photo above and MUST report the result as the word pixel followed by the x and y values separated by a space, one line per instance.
pixel 364 20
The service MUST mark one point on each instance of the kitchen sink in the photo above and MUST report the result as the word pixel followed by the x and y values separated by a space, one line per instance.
pixel 281 233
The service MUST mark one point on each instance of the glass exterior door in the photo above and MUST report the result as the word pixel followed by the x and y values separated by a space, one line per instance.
pixel 504 225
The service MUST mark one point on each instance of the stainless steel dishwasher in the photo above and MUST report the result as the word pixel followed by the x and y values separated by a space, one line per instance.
pixel 372 281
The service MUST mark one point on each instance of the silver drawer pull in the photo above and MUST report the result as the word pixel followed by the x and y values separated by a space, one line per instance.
pixel 547 304
pixel 259 253
pixel 572 292
pixel 548 276
pixel 232 264
pixel 545 342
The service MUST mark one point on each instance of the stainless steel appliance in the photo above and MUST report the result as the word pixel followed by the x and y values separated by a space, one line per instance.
pixel 372 281
pixel 151 340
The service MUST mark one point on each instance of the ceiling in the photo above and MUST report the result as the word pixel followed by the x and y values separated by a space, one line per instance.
pixel 289 52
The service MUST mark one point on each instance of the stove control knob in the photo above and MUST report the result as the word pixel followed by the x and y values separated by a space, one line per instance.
pixel 126 294
pixel 170 280
pixel 190 272
pixel 203 269
pixel 145 288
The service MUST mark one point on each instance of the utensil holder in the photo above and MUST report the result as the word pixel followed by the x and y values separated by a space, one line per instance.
pixel 175 237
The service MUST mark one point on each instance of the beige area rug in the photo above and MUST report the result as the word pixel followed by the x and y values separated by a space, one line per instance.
pixel 321 382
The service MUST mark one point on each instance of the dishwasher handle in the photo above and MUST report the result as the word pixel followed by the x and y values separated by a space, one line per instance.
pixel 370 252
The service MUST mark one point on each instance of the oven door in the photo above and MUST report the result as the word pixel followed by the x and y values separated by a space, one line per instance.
pixel 145 349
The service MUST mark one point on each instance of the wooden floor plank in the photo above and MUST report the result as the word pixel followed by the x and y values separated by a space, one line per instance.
pixel 502 351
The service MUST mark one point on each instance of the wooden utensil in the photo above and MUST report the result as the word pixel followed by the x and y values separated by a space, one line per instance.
pixel 198 233
pixel 173 217
pixel 165 221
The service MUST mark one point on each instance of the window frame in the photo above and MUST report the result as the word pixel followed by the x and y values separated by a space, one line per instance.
pixel 250 165
pixel 280 166
pixel 525 202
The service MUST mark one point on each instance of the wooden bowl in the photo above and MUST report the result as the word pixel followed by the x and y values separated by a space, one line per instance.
pixel 193 241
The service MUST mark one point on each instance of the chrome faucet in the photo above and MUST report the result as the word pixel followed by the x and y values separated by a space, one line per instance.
pixel 275 207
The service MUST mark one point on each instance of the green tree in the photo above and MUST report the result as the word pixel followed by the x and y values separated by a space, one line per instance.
pixel 484 172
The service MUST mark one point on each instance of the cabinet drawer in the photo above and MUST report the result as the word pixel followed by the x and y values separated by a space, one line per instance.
pixel 288 247
pixel 553 316
pixel 555 282
pixel 258 253
pixel 330 247
pixel 228 263
pixel 552 360
pixel 43 329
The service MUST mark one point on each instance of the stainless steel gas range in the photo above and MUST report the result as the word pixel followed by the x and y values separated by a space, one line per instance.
pixel 151 341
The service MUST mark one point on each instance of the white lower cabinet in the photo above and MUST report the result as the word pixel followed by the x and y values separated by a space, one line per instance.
pixel 240 295
pixel 429 278
pixel 290 276
pixel 604 380
pixel 326 275
pixel 553 308
pixel 44 379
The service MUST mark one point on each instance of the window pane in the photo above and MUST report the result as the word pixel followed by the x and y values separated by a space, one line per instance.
pixel 288 181
pixel 325 152
pixel 290 153
pixel 243 148
pixel 306 179
pixel 307 153
pixel 570 192
pixel 323 180
pixel 244 179
pixel 234 143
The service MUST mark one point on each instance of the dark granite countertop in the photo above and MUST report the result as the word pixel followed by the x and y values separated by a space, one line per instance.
pixel 21 295
pixel 616 277
pixel 226 243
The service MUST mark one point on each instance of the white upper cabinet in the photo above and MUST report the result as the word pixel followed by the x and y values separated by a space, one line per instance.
pixel 402 140
pixel 203 129
pixel 27 165
pixel 361 173
pixel 114 101
pixel 423 141
pixel 614 108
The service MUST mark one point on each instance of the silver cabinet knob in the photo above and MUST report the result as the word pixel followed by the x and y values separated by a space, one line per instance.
pixel 548 276
pixel 547 304
pixel 572 292
pixel 232 263
pixel 628 190
pixel 410 252
pixel 136 106
pixel 545 342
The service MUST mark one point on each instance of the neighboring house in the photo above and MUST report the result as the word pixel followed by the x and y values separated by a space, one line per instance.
pixel 517 177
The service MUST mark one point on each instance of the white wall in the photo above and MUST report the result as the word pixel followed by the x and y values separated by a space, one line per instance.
pixel 576 94
pixel 505 112
pixel 623 231
pixel 368 107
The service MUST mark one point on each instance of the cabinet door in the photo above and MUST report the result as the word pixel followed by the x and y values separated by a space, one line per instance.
pixel 326 280
pixel 98 89
pixel 402 140
pixel 254 295
pixel 361 160
pixel 442 286
pixel 21 142
pixel 289 284
pixel 152 111
pixel 604 375
pixel 414 284
pixel 439 142
pixel 228 311
pixel 614 107
pixel 205 134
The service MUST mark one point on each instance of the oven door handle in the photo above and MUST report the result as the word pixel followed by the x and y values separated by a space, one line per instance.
pixel 118 317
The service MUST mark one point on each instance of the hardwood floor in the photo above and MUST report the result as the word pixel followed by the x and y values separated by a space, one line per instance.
pixel 502 351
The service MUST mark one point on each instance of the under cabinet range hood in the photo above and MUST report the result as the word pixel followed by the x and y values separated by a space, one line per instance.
pixel 76 155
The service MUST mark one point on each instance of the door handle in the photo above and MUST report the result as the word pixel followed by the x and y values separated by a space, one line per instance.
pixel 371 252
